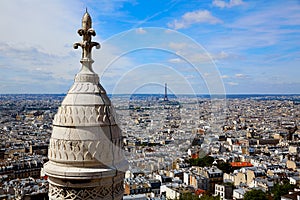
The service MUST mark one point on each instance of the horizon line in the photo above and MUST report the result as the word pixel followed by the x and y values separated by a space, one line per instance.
pixel 159 94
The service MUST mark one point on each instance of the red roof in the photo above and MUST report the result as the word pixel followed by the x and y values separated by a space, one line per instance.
pixel 195 155
pixel 241 164
pixel 199 191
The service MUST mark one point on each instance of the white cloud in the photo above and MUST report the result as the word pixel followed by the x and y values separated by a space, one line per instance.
pixel 188 52
pixel 198 57
pixel 260 27
pixel 177 46
pixel 31 58
pixel 36 50
pixel 169 31
pixel 48 26
pixel 195 17
pixel 219 56
pixel 240 76
pixel 232 83
pixel 147 75
pixel 224 4
pixel 190 76
pixel 140 31
pixel 225 76
pixel 175 60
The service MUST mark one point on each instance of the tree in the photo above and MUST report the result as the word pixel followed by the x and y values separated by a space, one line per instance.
pixel 191 196
pixel 188 196
pixel 202 162
pixel 281 189
pixel 207 197
pixel 255 195
pixel 225 167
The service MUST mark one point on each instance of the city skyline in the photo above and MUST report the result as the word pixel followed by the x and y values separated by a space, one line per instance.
pixel 251 47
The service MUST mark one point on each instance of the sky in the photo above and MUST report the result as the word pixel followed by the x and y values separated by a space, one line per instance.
pixel 203 46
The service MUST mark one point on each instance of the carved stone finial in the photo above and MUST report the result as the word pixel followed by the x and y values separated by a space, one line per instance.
pixel 86 32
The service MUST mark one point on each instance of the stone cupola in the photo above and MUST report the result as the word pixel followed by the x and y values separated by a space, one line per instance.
pixel 85 152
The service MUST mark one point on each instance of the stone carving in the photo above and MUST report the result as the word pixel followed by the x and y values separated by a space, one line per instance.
pixel 83 116
pixel 84 88
pixel 78 150
pixel 101 192
pixel 86 32
pixel 119 188
pixel 72 150
pixel 87 78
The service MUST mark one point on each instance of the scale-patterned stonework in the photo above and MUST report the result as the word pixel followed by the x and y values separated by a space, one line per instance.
pixel 78 150
pixel 83 116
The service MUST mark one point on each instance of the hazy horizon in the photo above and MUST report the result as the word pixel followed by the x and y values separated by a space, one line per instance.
pixel 212 46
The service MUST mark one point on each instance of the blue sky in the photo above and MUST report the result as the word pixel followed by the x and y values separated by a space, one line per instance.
pixel 209 46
